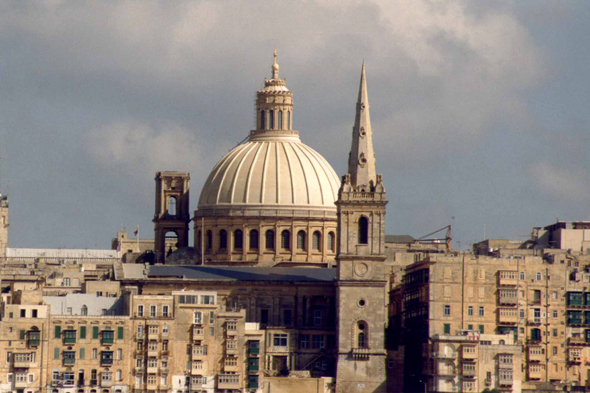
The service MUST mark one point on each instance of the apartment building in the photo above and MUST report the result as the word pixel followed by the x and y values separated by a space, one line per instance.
pixel 541 301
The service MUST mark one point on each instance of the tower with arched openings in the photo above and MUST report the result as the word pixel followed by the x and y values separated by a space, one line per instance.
pixel 360 291
pixel 172 213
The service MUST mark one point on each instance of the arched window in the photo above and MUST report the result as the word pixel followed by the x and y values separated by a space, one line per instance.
pixel 66 282
pixel 209 240
pixel 270 239
pixel 222 239
pixel 172 206
pixel 254 239
pixel 262 125
pixel 363 230
pixel 280 125
pixel 331 241
pixel 171 242
pixel 289 120
pixel 285 240
pixel 301 240
pixel 238 239
pixel 362 335
pixel 316 241
pixel 271 120
pixel 84 310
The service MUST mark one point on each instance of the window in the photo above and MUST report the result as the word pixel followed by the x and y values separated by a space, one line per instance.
pixel 262 123
pixel 554 350
pixel 318 341
pixel 271 119
pixel 480 311
pixel 165 329
pixel 537 296
pixel 82 353
pixel 209 240
pixel 222 239
pixel 140 310
pixel 301 240
pixel 232 325
pixel 539 277
pixel 56 353
pixel 172 206
pixel 285 240
pixel 470 327
pixel 363 230
pixel 447 310
pixel 34 313
pixel 521 313
pixel 66 282
pixel 211 331
pixel 238 239
pixel 119 375
pixel 316 241
pixel 153 329
pixel 152 311
pixel 254 239
pixel 68 379
pixel 554 314
pixel 331 241
pixel 304 341
pixel 554 332
pixel 318 317
pixel 481 329
pixel 522 276
pixel 280 125
pixel 164 345
pixel 270 239
pixel 289 119
pixel 119 332
pixel 106 358
pixel 211 317
pixel 165 311
pixel 536 334
pixel 57 332
pixel 197 317
pixel 264 316
pixel 84 310
pixel 94 353
pixel 207 299
pixel 152 363
pixel 447 328
pixel 279 340
pixel 470 311
pixel 288 317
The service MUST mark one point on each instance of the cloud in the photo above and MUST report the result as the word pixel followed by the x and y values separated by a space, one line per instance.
pixel 569 184
pixel 135 149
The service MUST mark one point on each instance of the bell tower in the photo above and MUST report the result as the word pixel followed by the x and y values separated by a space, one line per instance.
pixel 172 213
pixel 361 281
pixel 3 225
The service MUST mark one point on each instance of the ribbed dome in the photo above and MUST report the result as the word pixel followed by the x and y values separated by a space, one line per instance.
pixel 272 171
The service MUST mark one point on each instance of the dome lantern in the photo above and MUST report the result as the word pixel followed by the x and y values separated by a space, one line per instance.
pixel 274 107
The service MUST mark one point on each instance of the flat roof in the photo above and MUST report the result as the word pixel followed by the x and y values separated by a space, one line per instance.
pixel 241 273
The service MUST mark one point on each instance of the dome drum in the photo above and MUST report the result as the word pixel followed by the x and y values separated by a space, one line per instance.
pixel 248 241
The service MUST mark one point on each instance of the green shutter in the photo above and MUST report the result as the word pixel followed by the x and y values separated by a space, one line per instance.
pixel 120 332
pixel 82 331
pixel 82 353
pixel 58 332
pixel 56 353
pixel 481 329
pixel 447 328
pixel 94 331
pixel 22 334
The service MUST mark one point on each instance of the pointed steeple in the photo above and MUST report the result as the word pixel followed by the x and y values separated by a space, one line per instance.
pixel 361 162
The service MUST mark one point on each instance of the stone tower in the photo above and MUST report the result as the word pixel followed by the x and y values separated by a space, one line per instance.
pixel 361 293
pixel 172 213
pixel 3 225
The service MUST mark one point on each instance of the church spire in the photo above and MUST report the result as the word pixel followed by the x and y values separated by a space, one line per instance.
pixel 361 162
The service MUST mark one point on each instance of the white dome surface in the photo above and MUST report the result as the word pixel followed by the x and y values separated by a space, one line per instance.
pixel 273 172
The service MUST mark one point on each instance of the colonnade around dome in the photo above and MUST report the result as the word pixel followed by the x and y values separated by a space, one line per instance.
pixel 266 242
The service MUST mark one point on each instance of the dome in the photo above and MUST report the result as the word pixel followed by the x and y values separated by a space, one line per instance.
pixel 272 171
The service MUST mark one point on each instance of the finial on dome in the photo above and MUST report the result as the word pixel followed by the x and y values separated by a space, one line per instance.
pixel 275 68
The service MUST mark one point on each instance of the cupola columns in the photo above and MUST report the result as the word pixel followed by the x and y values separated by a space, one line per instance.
pixel 361 162
pixel 274 106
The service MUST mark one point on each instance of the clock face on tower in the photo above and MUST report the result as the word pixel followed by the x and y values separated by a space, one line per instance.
pixel 361 269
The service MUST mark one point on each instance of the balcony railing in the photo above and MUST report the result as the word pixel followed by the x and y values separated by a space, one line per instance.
pixel 228 381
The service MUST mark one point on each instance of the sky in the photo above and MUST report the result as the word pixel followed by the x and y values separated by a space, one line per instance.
pixel 480 110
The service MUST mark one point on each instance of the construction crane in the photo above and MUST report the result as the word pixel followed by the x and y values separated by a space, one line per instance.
pixel 447 239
